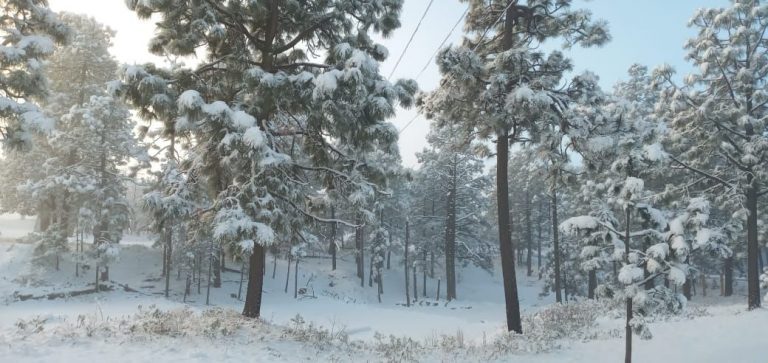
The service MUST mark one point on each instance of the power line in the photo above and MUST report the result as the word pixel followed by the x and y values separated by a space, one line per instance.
pixel 480 41
pixel 408 124
pixel 447 36
pixel 411 39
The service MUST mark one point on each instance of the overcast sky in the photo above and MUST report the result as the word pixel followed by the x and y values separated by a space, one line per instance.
pixel 649 32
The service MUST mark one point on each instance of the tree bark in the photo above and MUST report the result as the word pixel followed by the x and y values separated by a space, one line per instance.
pixel 753 247
pixel 217 269
pixel 296 278
pixel 332 246
pixel 168 254
pixel 252 307
pixel 359 247
pixel 728 276
pixel 450 236
pixel 407 291
pixel 556 243
pixel 288 274
pixel 628 326
pixel 529 233
pixel 514 322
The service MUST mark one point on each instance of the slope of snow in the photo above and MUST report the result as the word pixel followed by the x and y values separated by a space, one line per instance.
pixel 466 329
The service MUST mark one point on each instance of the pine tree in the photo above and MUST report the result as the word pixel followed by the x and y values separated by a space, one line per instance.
pixel 100 136
pixel 452 177
pixel 512 83
pixel 270 123
pixel 76 72
pixel 30 32
pixel 721 108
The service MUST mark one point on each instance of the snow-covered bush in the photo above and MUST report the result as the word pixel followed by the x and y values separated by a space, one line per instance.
pixel 547 328
pixel 302 331
pixel 397 349
pixel 182 322
pixel 49 246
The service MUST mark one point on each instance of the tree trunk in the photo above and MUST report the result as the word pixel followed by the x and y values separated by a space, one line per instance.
pixel 360 254
pixel 252 307
pixel 424 276
pixel 592 284
pixel 628 326
pixel 168 249
pixel 728 276
pixel 240 286
pixel 529 234
pixel 332 246
pixel 274 265
pixel 288 274
pixel 415 287
pixel 514 322
pixel 199 273
pixel 217 269
pixel 538 242
pixel 296 278
pixel 450 236
pixel 753 248
pixel 208 286
pixel 407 291
pixel 556 243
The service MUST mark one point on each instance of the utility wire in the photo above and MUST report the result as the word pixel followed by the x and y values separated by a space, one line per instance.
pixel 411 39
pixel 480 41
pixel 447 36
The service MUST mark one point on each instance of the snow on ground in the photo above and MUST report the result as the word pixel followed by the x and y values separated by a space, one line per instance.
pixel 335 301
pixel 13 226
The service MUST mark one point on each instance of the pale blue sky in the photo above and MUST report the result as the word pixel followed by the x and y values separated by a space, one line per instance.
pixel 649 32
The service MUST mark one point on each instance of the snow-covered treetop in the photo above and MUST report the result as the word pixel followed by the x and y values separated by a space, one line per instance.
pixel 30 31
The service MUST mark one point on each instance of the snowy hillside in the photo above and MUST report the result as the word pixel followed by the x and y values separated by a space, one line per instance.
pixel 97 325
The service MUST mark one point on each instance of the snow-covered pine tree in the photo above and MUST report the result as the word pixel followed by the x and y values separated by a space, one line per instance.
pixel 278 78
pixel 500 71
pixel 100 136
pixel 453 177
pixel 721 108
pixel 30 31
pixel 76 72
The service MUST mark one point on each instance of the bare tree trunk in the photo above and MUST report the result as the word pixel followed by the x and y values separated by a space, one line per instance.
pixel 728 276
pixel 753 247
pixel 240 287
pixel 556 243
pixel 274 266
pixel 199 272
pixel 360 254
pixel 253 293
pixel 217 268
pixel 450 236
pixel 628 326
pixel 538 242
pixel 415 287
pixel 296 278
pixel 424 274
pixel 514 322
pixel 168 249
pixel 529 234
pixel 332 246
pixel 592 284
pixel 407 236
pixel 208 286
pixel 288 274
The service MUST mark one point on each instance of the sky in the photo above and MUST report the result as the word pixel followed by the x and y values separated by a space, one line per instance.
pixel 649 32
